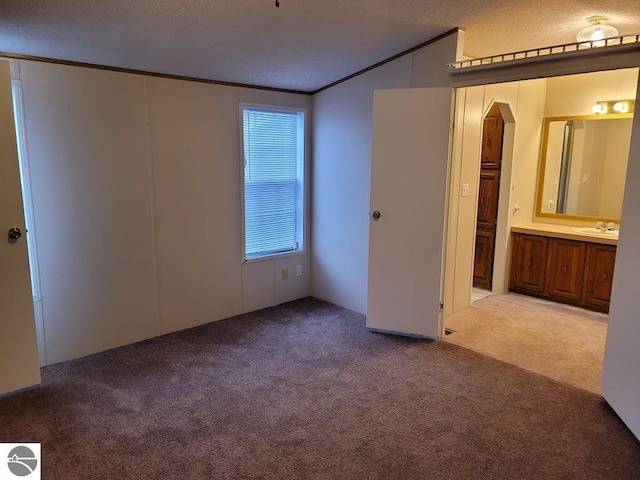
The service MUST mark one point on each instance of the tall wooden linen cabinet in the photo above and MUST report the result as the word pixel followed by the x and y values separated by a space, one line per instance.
pixel 488 191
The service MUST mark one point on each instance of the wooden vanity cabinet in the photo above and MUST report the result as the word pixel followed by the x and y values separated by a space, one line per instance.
pixel 568 271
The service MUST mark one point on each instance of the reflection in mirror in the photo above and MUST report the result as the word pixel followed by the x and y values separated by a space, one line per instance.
pixel 584 162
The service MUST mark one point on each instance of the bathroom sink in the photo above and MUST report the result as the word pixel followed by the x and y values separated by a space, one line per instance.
pixel 594 232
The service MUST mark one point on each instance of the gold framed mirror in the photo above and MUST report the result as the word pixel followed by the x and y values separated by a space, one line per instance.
pixel 583 167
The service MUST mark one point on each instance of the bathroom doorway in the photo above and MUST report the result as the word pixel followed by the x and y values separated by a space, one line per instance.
pixel 519 208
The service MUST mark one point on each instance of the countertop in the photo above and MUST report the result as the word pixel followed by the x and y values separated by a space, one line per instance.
pixel 561 231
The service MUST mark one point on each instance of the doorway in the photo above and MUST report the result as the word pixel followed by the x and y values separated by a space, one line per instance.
pixel 533 101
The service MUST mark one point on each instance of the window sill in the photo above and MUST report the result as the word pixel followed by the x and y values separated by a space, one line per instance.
pixel 274 256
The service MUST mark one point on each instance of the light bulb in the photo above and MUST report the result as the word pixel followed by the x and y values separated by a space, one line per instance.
pixel 597 108
pixel 620 107
pixel 597 34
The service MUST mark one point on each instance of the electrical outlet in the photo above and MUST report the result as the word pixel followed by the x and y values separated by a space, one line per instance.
pixel 285 274
pixel 298 270
pixel 465 190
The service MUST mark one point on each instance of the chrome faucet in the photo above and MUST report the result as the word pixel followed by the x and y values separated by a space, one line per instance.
pixel 604 226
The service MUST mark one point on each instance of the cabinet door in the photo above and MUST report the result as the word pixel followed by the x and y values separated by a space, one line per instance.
pixel 529 263
pixel 488 191
pixel 565 269
pixel 492 136
pixel 483 261
pixel 598 276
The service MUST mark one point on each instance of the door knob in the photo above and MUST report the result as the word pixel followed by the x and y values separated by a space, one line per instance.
pixel 14 233
pixel 375 214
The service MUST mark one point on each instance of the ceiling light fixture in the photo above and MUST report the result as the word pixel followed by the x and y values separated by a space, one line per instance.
pixel 597 31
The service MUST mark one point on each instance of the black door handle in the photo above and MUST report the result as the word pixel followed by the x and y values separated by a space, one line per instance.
pixel 14 233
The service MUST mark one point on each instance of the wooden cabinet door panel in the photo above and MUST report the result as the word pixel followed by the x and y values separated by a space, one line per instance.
pixel 529 263
pixel 492 139
pixel 598 277
pixel 565 269
pixel 488 191
pixel 483 259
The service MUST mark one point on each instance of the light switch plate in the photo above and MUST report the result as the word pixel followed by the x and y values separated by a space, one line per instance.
pixel 465 190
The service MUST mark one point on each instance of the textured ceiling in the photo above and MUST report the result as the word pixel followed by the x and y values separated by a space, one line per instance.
pixel 303 45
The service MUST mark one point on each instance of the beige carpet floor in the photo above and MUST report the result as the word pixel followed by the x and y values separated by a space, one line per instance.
pixel 558 341
pixel 304 391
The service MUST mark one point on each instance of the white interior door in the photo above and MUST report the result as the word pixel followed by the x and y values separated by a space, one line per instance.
pixel 409 162
pixel 621 371
pixel 18 345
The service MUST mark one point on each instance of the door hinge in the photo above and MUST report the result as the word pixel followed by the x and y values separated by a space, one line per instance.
pixel 441 306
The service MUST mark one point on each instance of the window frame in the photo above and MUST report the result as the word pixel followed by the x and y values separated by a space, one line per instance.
pixel 301 182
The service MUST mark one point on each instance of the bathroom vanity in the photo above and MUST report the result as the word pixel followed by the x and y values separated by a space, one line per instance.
pixel 563 264
pixel 581 178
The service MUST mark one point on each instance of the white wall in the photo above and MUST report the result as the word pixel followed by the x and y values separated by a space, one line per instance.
pixel 342 169
pixel 614 168
pixel 621 374
pixel 136 186
pixel 577 94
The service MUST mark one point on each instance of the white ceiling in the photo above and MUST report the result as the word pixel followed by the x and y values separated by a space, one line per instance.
pixel 303 45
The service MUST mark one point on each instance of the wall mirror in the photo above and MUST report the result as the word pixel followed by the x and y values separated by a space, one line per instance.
pixel 583 167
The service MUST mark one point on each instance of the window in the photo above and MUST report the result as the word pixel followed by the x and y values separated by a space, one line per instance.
pixel 273 180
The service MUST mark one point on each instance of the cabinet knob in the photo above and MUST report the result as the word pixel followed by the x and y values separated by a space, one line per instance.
pixel 565 268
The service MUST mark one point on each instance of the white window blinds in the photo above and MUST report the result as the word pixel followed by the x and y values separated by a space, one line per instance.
pixel 271 193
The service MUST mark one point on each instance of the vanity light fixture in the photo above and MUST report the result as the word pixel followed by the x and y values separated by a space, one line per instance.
pixel 614 106
pixel 597 31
